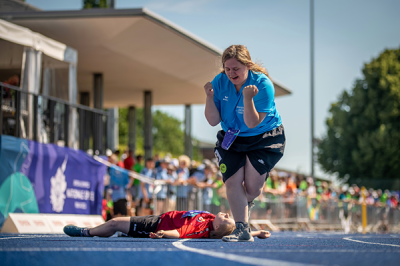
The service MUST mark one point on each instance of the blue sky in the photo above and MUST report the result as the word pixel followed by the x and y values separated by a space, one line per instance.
pixel 347 35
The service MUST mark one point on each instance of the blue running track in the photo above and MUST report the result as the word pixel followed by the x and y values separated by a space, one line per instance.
pixel 284 248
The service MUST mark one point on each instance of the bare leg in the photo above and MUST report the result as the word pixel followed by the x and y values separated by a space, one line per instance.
pixel 109 228
pixel 253 181
pixel 237 196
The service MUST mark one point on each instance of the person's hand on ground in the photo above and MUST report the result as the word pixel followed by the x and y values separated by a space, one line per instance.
pixel 264 234
pixel 157 235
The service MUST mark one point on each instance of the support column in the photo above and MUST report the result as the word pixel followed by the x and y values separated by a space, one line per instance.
pixel 85 98
pixel 98 90
pixel 112 129
pixel 97 103
pixel 84 123
pixel 148 126
pixel 188 131
pixel 132 128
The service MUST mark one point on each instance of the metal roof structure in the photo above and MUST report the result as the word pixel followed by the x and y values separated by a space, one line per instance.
pixel 136 50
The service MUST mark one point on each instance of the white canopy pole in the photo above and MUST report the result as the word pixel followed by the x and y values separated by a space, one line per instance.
pixel 30 81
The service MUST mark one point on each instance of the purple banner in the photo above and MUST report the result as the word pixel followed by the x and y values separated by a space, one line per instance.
pixel 63 180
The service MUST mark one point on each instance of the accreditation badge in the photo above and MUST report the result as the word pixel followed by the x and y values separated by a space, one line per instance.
pixel 229 138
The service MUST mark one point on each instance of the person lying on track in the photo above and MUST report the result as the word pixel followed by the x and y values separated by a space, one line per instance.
pixel 174 224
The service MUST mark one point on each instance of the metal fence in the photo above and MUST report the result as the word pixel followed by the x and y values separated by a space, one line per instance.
pixel 47 119
pixel 281 213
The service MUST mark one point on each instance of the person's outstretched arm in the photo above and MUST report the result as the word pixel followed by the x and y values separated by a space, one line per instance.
pixel 211 111
pixel 261 234
pixel 164 234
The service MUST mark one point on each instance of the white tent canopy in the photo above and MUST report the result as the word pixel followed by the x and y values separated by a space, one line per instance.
pixel 25 37
pixel 34 54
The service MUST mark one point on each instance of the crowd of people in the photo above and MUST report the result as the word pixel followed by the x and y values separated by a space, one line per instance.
pixel 127 196
pixel 184 179
pixel 291 184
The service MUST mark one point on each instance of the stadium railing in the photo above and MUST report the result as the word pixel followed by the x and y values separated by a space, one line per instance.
pixel 295 213
pixel 48 119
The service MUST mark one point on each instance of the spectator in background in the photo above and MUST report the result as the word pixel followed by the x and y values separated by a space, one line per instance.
pixel 384 198
pixel 311 190
pixel 219 193
pixel 203 179
pixel 181 182
pixel 146 190
pixel 13 81
pixel 326 192
pixel 171 172
pixel 200 175
pixel 157 160
pixel 282 184
pixel 269 184
pixel 134 189
pixel 119 179
pixel 124 155
pixel 303 186
pixel 394 201
pixel 291 185
pixel 108 206
pixel 192 182
pixel 162 174
pixel 120 163
pixel 369 199
pixel 138 167
pixel 128 165
pixel 129 162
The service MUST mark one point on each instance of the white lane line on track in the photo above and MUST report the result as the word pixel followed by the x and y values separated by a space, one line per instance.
pixel 19 237
pixel 28 236
pixel 309 251
pixel 349 239
pixel 85 249
pixel 235 258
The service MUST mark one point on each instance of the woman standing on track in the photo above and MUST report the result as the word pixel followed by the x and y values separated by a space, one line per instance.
pixel 252 141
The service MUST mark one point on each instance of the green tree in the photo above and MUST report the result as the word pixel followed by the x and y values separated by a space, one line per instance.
pixel 87 4
pixel 168 136
pixel 363 136
pixel 167 133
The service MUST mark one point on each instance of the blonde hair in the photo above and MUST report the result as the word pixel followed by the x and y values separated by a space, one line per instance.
pixel 240 53
pixel 223 230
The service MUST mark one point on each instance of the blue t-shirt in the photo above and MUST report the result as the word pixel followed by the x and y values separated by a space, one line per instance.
pixel 119 178
pixel 230 103
pixel 149 173
pixel 182 191
pixel 199 175
pixel 162 174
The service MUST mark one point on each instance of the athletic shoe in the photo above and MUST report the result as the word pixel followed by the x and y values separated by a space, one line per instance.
pixel 240 234
pixel 73 230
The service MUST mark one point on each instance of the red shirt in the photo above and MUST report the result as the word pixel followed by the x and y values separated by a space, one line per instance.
pixel 128 163
pixel 199 226
pixel 121 164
